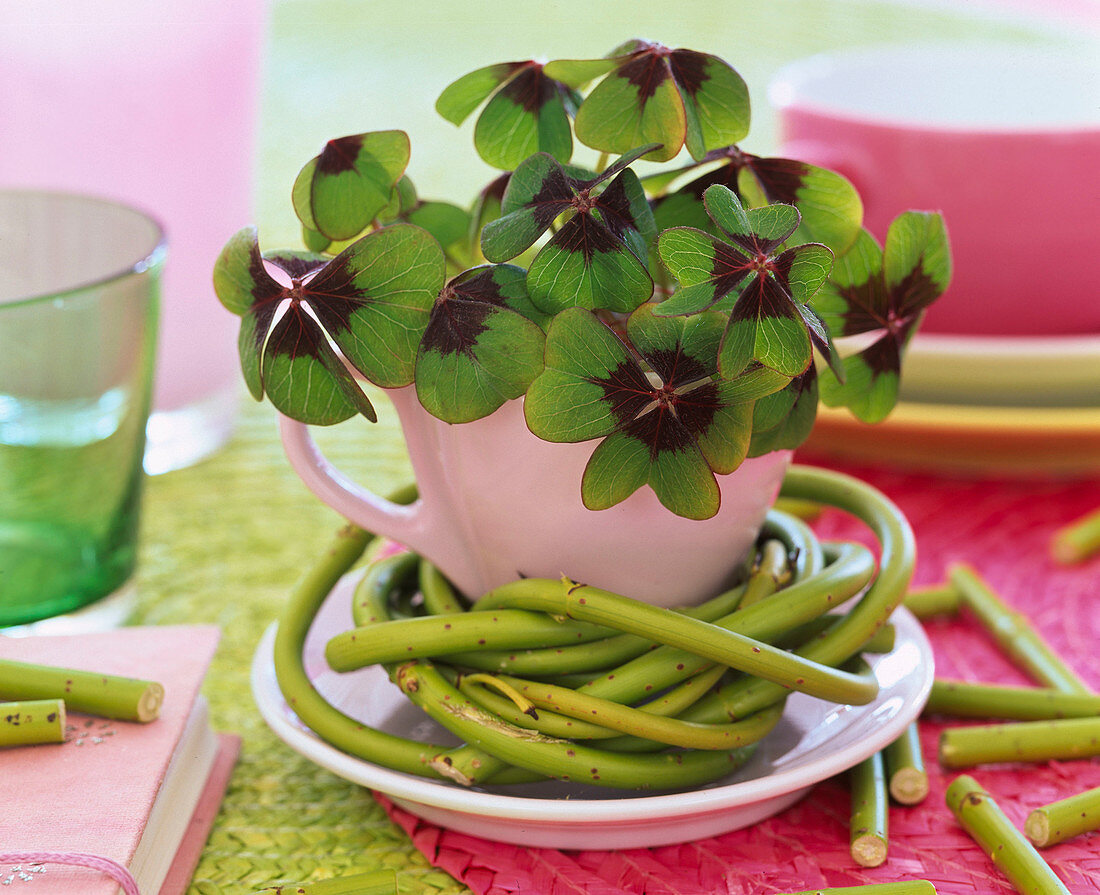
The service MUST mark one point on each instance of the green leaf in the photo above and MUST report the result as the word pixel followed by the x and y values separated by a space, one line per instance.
pixel 582 267
pixel 461 97
pixel 527 115
pixel 870 387
pixel 448 223
pixel 721 102
pixel 617 468
pixel 765 327
pixel 566 403
pixel 374 299
pixel 477 352
pixel 239 277
pixel 916 260
pixel 807 267
pixel 614 117
pixel 340 192
pixel 831 208
pixel 689 254
pixel 784 420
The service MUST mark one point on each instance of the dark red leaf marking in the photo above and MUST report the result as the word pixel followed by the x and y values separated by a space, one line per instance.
pixel 460 312
pixel 626 390
pixel 583 234
pixel 530 89
pixel 780 178
pixel 763 297
pixel 339 155
pixel 914 293
pixel 689 68
pixel 646 70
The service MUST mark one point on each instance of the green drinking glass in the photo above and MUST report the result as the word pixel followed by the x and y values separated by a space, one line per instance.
pixel 79 295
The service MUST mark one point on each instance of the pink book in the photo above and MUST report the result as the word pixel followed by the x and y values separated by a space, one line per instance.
pixel 140 796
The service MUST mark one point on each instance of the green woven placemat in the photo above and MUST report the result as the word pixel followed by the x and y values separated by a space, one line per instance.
pixel 223 542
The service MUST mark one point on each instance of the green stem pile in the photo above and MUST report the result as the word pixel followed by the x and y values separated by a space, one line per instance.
pixel 553 678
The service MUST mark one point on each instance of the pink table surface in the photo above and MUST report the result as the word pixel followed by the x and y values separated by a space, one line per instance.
pixel 1002 528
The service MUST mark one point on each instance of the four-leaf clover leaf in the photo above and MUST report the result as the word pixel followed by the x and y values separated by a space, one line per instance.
pixel 883 290
pixel 595 259
pixel 371 302
pixel 769 322
pixel 653 94
pixel 665 417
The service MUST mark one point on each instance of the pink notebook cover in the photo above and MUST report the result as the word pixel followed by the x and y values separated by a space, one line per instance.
pixel 93 793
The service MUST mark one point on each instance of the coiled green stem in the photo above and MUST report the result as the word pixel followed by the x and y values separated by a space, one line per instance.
pixel 537 673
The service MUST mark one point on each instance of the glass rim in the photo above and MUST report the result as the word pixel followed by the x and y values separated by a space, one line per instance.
pixel 149 259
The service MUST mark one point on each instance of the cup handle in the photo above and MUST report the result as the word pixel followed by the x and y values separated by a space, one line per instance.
pixel 407 524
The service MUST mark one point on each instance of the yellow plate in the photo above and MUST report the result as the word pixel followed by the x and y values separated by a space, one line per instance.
pixel 1021 442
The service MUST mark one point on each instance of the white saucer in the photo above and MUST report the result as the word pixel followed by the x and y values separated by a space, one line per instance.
pixel 814 740
pixel 1006 371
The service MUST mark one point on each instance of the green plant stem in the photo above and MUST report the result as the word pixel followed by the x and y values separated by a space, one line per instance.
pixel 104 695
pixel 378 882
pixel 638 722
pixel 1012 854
pixel 330 724
pixel 902 887
pixel 591 604
pixel 1014 633
pixel 1078 541
pixel 768 618
pixel 843 640
pixel 1064 819
pixel 32 722
pixel 412 638
pixel 1067 738
pixel 562 759
pixel 590 656
pixel 439 597
pixel 867 828
pixel 962 699
pixel 929 602
pixel 905 770
pixel 806 510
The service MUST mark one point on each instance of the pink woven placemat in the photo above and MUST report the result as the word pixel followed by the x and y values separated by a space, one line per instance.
pixel 1002 528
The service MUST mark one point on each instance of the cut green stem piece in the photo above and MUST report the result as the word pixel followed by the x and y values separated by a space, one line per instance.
pixel 1064 819
pixel 32 722
pixel 867 828
pixel 963 747
pixel 905 770
pixel 378 882
pixel 104 695
pixel 770 573
pixel 929 602
pixel 962 699
pixel 1078 541
pixel 902 887
pixel 1014 633
pixel 1006 846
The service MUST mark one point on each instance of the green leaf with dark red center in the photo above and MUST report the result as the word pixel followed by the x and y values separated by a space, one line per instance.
pixel 371 302
pixel 480 347
pixel 528 112
pixel 670 423
pixel 830 208
pixel 342 190
pixel 783 420
pixel 657 95
pixel 768 322
pixel 885 292
pixel 595 259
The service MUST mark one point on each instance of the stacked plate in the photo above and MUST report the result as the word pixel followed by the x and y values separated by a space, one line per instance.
pixel 1018 406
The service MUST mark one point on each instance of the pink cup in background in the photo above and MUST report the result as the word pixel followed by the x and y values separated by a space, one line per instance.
pixel 154 104
pixel 1003 139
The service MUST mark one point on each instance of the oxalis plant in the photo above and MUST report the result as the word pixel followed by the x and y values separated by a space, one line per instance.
pixel 684 317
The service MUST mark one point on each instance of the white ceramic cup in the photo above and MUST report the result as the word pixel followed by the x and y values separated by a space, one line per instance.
pixel 496 503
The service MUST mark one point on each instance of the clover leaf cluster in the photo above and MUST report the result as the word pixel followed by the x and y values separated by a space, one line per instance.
pixel 685 318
